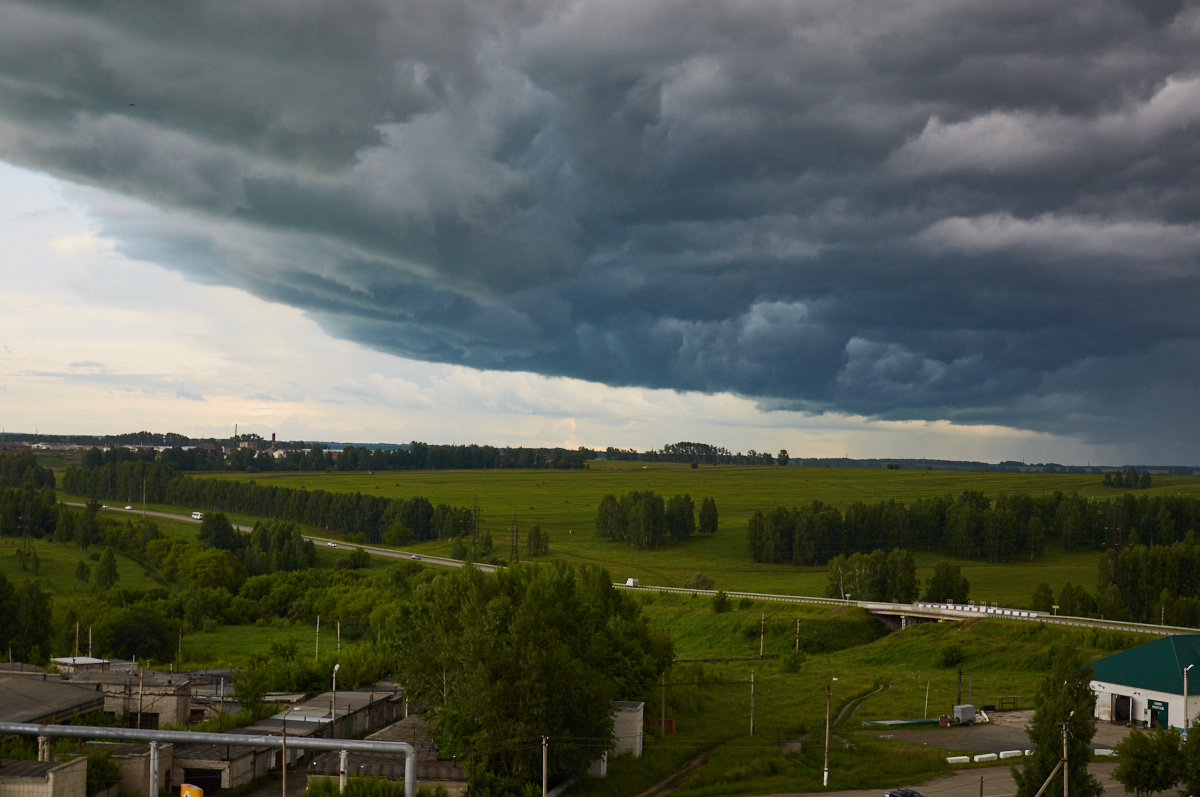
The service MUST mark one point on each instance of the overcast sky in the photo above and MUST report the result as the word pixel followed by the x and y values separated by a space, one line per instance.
pixel 918 228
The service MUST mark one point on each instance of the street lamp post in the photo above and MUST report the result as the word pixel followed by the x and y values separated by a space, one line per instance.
pixel 333 704
pixel 1185 696
pixel 828 700
pixel 283 751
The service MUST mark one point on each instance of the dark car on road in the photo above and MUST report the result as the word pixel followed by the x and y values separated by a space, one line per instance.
pixel 902 793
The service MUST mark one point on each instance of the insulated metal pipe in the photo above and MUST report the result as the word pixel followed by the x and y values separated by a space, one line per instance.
pixel 233 739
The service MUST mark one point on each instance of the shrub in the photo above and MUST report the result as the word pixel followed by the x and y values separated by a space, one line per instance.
pixel 951 655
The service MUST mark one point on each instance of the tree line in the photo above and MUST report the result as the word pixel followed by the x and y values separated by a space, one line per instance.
pixel 970 525
pixel 356 516
pixel 644 519
pixel 695 454
pixel 415 456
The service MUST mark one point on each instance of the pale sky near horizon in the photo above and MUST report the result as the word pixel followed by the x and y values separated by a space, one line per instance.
pixel 941 229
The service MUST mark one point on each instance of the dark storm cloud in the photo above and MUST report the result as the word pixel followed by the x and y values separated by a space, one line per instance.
pixel 983 212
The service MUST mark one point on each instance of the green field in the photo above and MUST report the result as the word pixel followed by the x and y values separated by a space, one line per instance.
pixel 708 692
pixel 564 504
pixel 893 676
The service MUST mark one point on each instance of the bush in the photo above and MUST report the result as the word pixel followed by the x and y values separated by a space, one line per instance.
pixel 721 602
pixel 951 655
pixel 700 581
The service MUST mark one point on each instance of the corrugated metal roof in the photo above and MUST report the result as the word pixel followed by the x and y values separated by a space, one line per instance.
pixel 1156 665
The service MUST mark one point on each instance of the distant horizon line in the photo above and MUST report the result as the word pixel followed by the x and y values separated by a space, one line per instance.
pixel 793 460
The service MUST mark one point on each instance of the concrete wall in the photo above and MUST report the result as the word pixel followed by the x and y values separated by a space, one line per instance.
pixel 1142 701
pixel 628 724
pixel 68 779
pixel 135 769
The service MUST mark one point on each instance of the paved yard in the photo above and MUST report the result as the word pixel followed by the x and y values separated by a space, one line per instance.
pixel 1006 731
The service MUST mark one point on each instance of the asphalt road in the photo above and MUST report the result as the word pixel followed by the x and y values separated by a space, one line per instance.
pixel 993 781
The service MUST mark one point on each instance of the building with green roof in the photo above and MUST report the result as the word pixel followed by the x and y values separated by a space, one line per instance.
pixel 1149 685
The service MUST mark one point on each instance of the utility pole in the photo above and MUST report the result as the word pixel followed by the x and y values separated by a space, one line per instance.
pixel 762 633
pixel 752 702
pixel 514 555
pixel 797 634
pixel 1066 763
pixel 663 725
pixel 828 700
pixel 475 524
pixel 1185 696
pixel 545 762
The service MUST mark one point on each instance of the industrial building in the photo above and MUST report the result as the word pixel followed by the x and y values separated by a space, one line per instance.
pixel 1147 686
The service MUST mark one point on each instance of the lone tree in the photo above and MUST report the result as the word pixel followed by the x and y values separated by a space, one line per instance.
pixel 1189 760
pixel 708 516
pixel 1148 762
pixel 1065 704
pixel 947 584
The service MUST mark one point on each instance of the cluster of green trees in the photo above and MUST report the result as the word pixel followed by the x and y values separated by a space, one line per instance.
pixel 1129 480
pixel 357 516
pixel 877 576
pixel 204 585
pixel 1140 582
pixel 695 453
pixel 27 500
pixel 970 526
pixel 24 621
pixel 892 577
pixel 20 469
pixel 269 547
pixel 643 519
pixel 503 660
pixel 27 511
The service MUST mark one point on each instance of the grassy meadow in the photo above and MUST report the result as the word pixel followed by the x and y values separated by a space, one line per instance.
pixel 564 504
pixel 871 675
